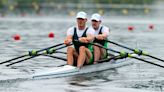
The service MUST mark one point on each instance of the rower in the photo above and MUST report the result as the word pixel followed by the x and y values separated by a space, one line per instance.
pixel 82 52
pixel 101 34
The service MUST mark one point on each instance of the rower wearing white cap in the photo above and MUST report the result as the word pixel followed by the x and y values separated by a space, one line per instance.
pixel 82 53
pixel 101 34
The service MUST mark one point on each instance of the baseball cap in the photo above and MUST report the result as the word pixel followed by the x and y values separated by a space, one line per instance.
pixel 96 17
pixel 82 15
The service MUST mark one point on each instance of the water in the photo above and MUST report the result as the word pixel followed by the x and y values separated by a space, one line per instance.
pixel 139 77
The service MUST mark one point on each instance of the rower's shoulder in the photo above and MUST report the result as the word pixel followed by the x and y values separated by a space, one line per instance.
pixel 71 28
pixel 105 27
pixel 90 28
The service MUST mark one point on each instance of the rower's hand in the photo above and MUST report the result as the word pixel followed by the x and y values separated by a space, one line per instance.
pixel 83 40
pixel 100 37
pixel 67 41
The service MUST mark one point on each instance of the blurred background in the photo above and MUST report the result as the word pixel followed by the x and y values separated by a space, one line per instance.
pixel 36 24
pixel 70 7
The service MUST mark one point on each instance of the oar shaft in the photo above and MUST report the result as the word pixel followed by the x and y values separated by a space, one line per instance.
pixel 50 47
pixel 130 56
pixel 28 54
pixel 141 53
pixel 120 45
pixel 139 59
pixel 60 52
pixel 148 61
pixel 19 61
pixel 61 47
pixel 13 59
pixel 155 58
pixel 105 48
pixel 56 57
pixel 35 56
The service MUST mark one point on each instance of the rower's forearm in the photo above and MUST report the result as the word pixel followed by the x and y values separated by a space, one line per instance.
pixel 90 38
pixel 105 35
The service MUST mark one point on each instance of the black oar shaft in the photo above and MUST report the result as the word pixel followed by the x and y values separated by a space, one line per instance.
pixel 28 54
pixel 13 59
pixel 50 47
pixel 61 47
pixel 148 61
pixel 56 57
pixel 61 52
pixel 130 56
pixel 134 50
pixel 155 57
pixel 120 45
pixel 33 56
pixel 19 61
pixel 105 48
pixel 36 56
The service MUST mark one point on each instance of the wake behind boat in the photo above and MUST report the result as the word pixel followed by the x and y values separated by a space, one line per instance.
pixel 67 70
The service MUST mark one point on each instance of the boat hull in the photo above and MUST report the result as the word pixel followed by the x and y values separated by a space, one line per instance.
pixel 68 70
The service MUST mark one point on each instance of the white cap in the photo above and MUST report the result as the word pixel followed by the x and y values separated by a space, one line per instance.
pixel 82 15
pixel 96 17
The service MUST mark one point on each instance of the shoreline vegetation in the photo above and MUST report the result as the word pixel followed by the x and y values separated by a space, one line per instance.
pixel 39 7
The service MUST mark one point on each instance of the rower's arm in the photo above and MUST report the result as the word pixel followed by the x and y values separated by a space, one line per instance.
pixel 87 39
pixel 104 34
pixel 90 37
pixel 68 40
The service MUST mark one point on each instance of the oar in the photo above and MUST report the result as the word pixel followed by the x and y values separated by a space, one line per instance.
pixel 61 58
pixel 28 54
pixel 61 52
pixel 34 56
pixel 136 51
pixel 125 54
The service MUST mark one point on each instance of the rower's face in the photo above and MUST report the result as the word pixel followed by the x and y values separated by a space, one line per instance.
pixel 96 24
pixel 81 22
